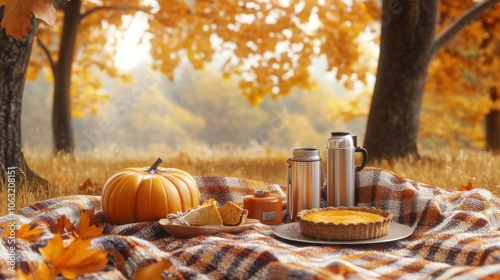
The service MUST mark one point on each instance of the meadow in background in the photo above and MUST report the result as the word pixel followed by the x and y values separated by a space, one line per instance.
pixel 459 169
pixel 191 94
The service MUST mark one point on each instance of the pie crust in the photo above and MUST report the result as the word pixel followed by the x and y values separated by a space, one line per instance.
pixel 356 223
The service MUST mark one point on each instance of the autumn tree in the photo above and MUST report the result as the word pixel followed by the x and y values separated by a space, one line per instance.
pixel 18 26
pixel 81 43
pixel 493 122
pixel 463 79
pixel 15 57
pixel 408 43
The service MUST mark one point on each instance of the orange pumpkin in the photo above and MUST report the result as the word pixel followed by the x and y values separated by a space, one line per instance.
pixel 148 194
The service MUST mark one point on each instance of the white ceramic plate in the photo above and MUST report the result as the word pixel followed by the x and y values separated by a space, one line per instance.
pixel 182 231
pixel 292 232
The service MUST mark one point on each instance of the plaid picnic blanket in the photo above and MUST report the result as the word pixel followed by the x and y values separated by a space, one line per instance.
pixel 456 235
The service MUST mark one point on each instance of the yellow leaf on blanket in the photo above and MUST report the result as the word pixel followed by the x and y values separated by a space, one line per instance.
pixel 75 259
pixel 24 232
pixel 152 271
pixel 86 227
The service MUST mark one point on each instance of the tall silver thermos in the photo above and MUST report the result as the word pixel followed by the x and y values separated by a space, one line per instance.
pixel 304 180
pixel 340 168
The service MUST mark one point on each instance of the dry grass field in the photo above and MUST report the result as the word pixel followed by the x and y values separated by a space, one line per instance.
pixel 449 169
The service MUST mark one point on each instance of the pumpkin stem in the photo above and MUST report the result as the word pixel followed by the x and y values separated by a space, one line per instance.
pixel 154 167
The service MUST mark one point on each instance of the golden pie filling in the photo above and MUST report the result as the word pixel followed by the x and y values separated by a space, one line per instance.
pixel 343 217
pixel 344 223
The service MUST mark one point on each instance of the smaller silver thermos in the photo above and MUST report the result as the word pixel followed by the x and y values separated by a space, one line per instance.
pixel 304 180
pixel 340 168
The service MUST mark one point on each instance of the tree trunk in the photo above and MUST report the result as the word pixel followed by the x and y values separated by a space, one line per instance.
pixel 62 127
pixel 405 51
pixel 493 125
pixel 15 55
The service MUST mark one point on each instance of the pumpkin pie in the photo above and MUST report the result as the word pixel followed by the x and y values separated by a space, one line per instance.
pixel 344 223
pixel 232 214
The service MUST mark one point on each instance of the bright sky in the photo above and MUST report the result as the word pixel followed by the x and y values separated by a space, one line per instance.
pixel 131 51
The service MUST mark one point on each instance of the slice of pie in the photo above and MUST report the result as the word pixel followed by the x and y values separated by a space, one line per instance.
pixel 202 215
pixel 344 223
pixel 232 214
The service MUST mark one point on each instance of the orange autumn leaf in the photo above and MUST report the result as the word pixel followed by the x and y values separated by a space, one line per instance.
pixel 24 232
pixel 4 232
pixel 467 187
pixel 63 225
pixel 17 15
pixel 86 227
pixel 89 187
pixel 29 234
pixel 75 259
pixel 152 271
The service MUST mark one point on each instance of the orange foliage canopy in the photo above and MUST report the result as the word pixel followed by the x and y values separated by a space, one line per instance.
pixel 269 44
pixel 461 76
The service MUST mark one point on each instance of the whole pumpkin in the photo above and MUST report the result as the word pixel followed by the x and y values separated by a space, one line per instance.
pixel 148 194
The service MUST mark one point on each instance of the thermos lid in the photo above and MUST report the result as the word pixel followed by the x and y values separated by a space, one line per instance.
pixel 306 154
pixel 341 140
pixel 339 133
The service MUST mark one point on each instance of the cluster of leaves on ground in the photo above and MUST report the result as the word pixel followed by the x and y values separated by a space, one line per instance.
pixel 69 252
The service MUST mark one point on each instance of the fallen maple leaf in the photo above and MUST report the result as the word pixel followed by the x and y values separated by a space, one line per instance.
pixel 75 259
pixel 86 227
pixel 24 232
pixel 89 187
pixel 152 271
pixel 467 187
pixel 17 15
pixel 63 226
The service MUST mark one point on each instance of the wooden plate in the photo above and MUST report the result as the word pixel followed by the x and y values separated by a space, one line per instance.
pixel 182 231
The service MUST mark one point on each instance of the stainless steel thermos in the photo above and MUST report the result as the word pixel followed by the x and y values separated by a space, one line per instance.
pixel 340 168
pixel 304 180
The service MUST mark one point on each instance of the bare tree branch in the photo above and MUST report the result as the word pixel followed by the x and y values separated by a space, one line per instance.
pixel 146 10
pixel 47 53
pixel 459 24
